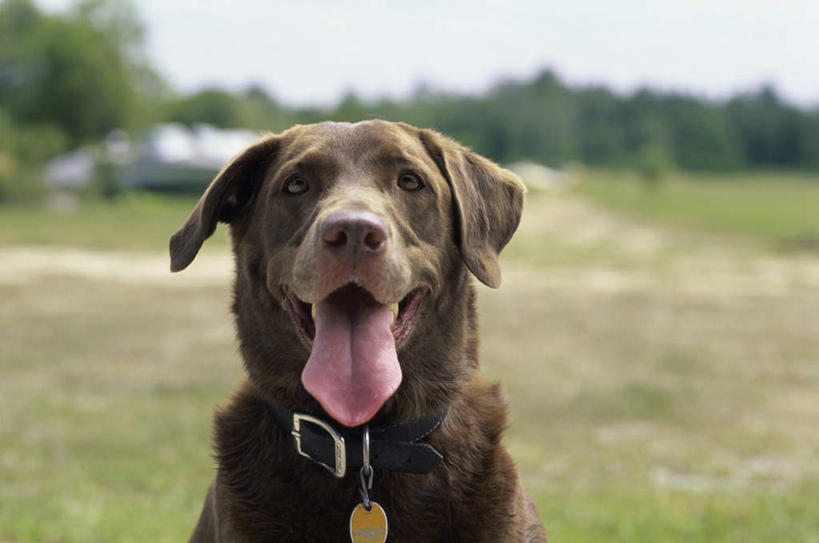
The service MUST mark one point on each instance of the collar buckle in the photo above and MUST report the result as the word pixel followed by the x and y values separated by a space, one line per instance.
pixel 340 455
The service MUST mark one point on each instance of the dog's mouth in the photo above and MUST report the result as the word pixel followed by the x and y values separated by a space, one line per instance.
pixel 404 312
pixel 353 366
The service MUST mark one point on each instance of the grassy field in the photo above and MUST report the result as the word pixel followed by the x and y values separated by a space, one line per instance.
pixel 661 366
pixel 782 208
pixel 140 221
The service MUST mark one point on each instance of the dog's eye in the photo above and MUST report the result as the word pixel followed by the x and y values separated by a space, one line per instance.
pixel 295 185
pixel 410 182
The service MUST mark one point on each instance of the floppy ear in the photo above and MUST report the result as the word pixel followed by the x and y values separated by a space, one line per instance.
pixel 487 201
pixel 227 197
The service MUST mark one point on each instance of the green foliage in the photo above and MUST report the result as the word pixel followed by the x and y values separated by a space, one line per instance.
pixel 105 181
pixel 808 140
pixel 547 121
pixel 22 150
pixel 768 129
pixel 30 144
pixel 701 135
pixel 211 106
pixel 22 186
pixel 602 139
pixel 654 163
pixel 251 109
pixel 80 72
pixel 66 80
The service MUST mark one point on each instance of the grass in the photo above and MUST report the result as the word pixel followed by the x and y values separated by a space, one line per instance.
pixel 105 408
pixel 778 208
pixel 135 221
pixel 661 373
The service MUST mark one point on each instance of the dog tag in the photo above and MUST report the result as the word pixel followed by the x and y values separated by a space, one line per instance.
pixel 368 526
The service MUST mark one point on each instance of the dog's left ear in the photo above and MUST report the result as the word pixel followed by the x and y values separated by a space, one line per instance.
pixel 228 196
pixel 487 201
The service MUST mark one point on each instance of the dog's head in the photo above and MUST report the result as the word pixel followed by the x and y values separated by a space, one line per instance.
pixel 351 244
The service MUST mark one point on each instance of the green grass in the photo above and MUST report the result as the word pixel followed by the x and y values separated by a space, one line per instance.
pixel 775 207
pixel 660 368
pixel 105 408
pixel 136 221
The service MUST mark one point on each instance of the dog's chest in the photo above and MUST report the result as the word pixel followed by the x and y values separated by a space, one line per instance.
pixel 319 511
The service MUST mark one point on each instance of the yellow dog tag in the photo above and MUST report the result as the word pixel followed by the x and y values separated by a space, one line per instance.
pixel 368 526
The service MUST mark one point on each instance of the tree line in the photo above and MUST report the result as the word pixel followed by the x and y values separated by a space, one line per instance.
pixel 69 79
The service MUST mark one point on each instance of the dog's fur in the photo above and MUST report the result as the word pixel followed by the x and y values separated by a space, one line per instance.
pixel 458 223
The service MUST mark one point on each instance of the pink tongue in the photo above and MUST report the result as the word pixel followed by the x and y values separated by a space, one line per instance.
pixel 353 367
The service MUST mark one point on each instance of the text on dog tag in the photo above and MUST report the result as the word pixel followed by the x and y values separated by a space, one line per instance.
pixel 368 526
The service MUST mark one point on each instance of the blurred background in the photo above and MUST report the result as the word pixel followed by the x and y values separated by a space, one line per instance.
pixel 657 331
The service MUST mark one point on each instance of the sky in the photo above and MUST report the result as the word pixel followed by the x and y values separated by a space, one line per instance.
pixel 312 52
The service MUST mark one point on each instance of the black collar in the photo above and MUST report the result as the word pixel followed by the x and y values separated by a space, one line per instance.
pixel 340 451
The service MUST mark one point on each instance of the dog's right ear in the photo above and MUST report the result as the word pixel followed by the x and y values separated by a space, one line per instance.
pixel 227 197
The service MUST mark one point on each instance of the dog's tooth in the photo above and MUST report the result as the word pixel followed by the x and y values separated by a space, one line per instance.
pixel 394 312
pixel 313 311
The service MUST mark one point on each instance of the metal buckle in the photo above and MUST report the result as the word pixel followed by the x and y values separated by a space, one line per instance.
pixel 340 452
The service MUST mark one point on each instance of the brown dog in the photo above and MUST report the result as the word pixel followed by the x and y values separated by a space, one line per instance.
pixel 353 305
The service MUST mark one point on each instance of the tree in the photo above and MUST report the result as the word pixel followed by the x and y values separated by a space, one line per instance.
pixel 768 129
pixel 211 106
pixel 82 71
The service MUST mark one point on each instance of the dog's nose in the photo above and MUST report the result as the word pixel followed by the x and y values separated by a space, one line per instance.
pixel 354 234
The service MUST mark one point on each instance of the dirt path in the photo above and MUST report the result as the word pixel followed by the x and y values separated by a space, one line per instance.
pixel 611 253
pixel 31 264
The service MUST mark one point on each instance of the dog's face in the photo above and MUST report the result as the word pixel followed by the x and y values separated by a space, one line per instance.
pixel 351 243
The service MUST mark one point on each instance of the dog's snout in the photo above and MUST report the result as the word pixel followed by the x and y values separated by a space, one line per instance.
pixel 354 234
